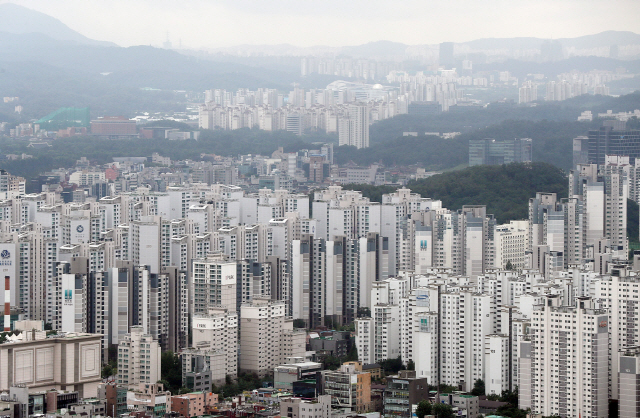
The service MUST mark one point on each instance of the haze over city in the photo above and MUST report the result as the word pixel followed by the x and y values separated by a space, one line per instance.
pixel 213 24
pixel 319 209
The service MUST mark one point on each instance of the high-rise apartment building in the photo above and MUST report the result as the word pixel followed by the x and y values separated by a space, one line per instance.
pixel 353 129
pixel 138 359
pixel 267 338
pixel 629 380
pixel 619 292
pixel 569 360
pixel 214 284
pixel 217 330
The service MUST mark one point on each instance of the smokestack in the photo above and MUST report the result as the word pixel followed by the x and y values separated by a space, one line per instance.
pixel 7 304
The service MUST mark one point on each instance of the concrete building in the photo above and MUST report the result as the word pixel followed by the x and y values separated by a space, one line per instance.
pixel 115 398
pixel 349 387
pixel 301 408
pixel 353 129
pixel 629 382
pixel 70 362
pixel 217 331
pixel 466 405
pixel 202 367
pixel 511 243
pixel 403 391
pixel 214 284
pixel 193 404
pixel 568 376
pixel 267 338
pixel 138 359
pixel 286 374
pixel 619 293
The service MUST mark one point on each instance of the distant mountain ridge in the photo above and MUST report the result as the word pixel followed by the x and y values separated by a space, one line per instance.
pixel 385 48
pixel 19 20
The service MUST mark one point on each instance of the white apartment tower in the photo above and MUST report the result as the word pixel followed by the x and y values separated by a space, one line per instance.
pixel 218 330
pixel 619 293
pixel 353 129
pixel 214 284
pixel 138 360
pixel 267 338
pixel 569 360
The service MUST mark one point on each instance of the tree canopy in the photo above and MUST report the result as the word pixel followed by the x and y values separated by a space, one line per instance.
pixel 504 189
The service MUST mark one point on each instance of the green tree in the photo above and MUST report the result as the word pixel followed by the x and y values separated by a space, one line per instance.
pixel 423 408
pixel 331 363
pixel 442 410
pixel 510 396
pixel 392 366
pixel 411 365
pixel 509 266
pixel 478 388
pixel 352 355
pixel 299 323
pixel 171 371
pixel 109 369
pixel 364 312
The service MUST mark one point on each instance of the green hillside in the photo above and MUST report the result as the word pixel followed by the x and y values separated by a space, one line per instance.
pixel 504 189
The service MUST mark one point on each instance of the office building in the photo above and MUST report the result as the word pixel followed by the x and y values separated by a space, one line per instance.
pixel 286 374
pixel 613 138
pixel 445 56
pixel 493 152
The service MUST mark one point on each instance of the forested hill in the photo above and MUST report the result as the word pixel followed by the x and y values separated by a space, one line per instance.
pixel 504 189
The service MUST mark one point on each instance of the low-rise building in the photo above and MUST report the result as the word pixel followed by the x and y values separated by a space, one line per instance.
pixel 193 404
pixel 467 405
pixel 286 374
pixel 151 399
pixel 349 387
pixel 403 391
pixel 70 362
pixel 301 408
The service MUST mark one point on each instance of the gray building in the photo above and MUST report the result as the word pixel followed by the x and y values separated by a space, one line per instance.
pixel 336 344
pixel 629 383
pixel 613 139
pixel 467 405
pixel 493 152
pixel 402 391
pixel 285 375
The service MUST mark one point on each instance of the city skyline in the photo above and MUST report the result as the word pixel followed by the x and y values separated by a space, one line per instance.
pixel 332 23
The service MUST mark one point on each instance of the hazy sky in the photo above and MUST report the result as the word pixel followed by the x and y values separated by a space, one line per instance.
pixel 222 23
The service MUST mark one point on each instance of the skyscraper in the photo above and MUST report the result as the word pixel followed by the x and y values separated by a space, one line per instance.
pixel 353 129
pixel 445 58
